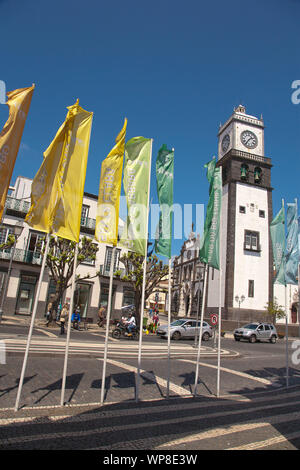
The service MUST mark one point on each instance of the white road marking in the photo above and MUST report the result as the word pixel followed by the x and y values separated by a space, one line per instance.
pixel 267 442
pixel 47 333
pixel 155 379
pixel 231 371
pixel 223 431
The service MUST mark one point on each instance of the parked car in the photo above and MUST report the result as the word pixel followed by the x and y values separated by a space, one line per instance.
pixel 256 332
pixel 185 328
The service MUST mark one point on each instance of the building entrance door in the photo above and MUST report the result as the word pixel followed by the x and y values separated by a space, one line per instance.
pixel 26 294
pixel 81 298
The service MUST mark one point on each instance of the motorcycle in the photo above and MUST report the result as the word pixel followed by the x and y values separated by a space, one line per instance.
pixel 121 330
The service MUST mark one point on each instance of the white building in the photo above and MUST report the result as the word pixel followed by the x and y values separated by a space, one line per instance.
pixel 246 256
pixel 25 267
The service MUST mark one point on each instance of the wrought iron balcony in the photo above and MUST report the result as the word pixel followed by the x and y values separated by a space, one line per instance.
pixel 18 205
pixel 106 272
pixel 23 256
pixel 21 206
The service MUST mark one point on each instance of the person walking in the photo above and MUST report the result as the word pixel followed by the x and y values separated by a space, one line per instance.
pixel 76 318
pixel 49 313
pixel 63 318
pixel 155 320
pixel 101 316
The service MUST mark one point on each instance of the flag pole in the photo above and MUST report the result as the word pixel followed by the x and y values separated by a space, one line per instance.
pixel 220 300
pixel 298 309
pixel 69 327
pixel 286 321
pixel 286 339
pixel 144 285
pixel 169 329
pixel 32 322
pixel 201 328
pixel 219 333
pixel 111 273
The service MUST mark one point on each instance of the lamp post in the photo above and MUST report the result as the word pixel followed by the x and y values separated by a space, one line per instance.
pixel 239 300
pixel 18 228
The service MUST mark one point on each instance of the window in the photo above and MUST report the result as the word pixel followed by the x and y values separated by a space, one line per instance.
pixel 90 261
pixel 84 214
pixel 262 214
pixel 108 259
pixel 104 294
pixel 128 296
pixel 251 288
pixel 35 242
pixel 4 232
pixel 251 241
pixel 242 209
pixel 267 328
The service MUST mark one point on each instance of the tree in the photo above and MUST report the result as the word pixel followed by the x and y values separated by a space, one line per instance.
pixel 155 272
pixel 274 311
pixel 60 261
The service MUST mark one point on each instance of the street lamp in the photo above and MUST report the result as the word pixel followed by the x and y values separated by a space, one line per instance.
pixel 239 300
pixel 17 230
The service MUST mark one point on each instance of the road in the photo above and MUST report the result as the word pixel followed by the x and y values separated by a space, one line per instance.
pixel 255 409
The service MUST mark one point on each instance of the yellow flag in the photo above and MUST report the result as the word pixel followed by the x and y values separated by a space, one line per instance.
pixel 57 189
pixel 109 192
pixel 10 137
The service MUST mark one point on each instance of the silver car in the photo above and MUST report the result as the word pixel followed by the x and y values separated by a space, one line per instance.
pixel 185 328
pixel 256 332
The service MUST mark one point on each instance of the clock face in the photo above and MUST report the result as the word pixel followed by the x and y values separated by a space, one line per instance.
pixel 225 142
pixel 249 139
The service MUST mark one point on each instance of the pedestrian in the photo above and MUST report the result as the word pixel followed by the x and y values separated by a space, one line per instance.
pixel 63 318
pixel 155 320
pixel 76 318
pixel 59 309
pixel 101 316
pixel 49 313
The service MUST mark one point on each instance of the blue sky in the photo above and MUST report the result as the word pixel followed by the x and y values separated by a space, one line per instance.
pixel 174 69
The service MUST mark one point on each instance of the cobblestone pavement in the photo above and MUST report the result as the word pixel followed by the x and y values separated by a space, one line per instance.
pixel 263 417
pixel 255 410
pixel 263 422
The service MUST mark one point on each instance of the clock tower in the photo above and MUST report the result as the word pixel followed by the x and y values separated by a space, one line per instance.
pixel 246 256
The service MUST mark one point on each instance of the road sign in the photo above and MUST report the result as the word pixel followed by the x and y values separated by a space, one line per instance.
pixel 214 318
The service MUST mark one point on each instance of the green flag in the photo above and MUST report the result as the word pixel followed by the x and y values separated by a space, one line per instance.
pixel 277 230
pixel 291 254
pixel 164 181
pixel 210 250
pixel 136 188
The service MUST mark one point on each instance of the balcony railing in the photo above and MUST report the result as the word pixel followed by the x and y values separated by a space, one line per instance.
pixel 19 205
pixel 23 256
pixel 106 272
pixel 88 223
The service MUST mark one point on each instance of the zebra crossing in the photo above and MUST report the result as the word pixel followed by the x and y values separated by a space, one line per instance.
pixel 124 349
pixel 266 421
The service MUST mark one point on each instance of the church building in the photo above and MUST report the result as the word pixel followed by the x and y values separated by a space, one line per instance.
pixel 246 255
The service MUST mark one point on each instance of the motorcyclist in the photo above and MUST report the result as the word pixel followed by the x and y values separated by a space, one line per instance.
pixel 131 323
